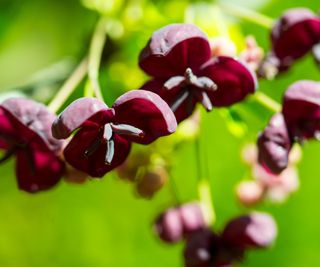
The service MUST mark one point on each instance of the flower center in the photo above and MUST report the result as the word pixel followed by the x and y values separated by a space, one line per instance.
pixel 192 87
pixel 108 132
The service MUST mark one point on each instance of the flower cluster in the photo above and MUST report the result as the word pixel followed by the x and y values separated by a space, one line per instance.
pixel 91 139
pixel 101 141
pixel 298 121
pixel 266 185
pixel 204 247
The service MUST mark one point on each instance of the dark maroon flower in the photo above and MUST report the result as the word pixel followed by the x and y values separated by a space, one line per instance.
pixel 176 223
pixel 256 230
pixel 274 145
pixel 198 249
pixel 294 34
pixel 104 135
pixel 178 58
pixel 25 131
pixel 301 110
pixel 205 248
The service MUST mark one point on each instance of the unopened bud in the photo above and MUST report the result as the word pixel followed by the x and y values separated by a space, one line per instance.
pixel 249 192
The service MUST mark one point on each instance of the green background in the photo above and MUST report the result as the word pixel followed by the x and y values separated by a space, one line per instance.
pixel 102 222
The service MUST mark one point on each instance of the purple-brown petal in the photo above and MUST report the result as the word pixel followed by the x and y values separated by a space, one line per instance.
pixel 82 110
pixel 172 97
pixel 192 218
pixel 94 163
pixel 169 226
pixel 38 168
pixel 146 111
pixel 274 145
pixel 198 249
pixel 294 34
pixel 255 230
pixel 22 114
pixel 25 130
pixel 174 48
pixel 233 79
pixel 301 109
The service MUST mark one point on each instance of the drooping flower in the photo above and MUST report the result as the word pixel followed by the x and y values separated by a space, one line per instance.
pixel 206 248
pixel 25 131
pixel 301 110
pixel 274 145
pixel 256 230
pixel 178 57
pixel 293 35
pixel 103 135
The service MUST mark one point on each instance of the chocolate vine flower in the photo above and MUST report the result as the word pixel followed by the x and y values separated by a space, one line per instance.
pixel 274 145
pixel 255 230
pixel 301 110
pixel 103 135
pixel 205 248
pixel 178 57
pixel 25 131
pixel 293 35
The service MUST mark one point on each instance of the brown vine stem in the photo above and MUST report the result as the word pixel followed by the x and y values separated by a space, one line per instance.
pixel 246 14
pixel 69 86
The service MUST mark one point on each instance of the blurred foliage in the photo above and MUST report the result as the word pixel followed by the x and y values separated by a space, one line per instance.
pixel 101 223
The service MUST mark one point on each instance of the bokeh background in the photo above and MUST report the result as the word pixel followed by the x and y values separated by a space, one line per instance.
pixel 102 222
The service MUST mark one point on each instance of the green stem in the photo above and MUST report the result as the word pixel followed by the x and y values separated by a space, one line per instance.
pixel 69 86
pixel 267 102
pixel 206 202
pixel 247 14
pixel 96 47
pixel 174 190
pixel 204 190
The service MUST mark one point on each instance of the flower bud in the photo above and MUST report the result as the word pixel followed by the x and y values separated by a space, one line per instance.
pixel 221 46
pixel 249 192
pixel 249 154
pixel 151 182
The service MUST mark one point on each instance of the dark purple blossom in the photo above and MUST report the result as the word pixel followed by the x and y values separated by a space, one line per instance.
pixel 301 110
pixel 178 57
pixel 103 135
pixel 274 145
pixel 294 34
pixel 25 131
pixel 256 230
pixel 205 248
